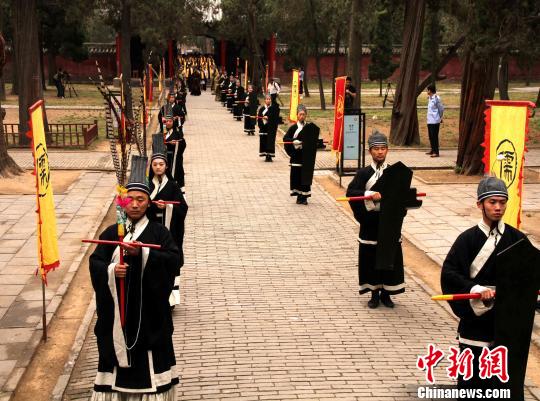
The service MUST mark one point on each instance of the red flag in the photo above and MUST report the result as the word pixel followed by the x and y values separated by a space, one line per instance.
pixel 337 144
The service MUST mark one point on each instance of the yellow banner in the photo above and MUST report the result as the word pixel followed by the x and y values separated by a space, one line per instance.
pixel 48 257
pixel 504 156
pixel 294 96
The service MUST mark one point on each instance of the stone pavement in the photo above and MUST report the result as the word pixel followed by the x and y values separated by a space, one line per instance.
pixel 79 213
pixel 416 158
pixel 67 159
pixel 270 309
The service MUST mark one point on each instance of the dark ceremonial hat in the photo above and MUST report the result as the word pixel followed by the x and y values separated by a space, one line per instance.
pixel 377 139
pixel 137 179
pixel 168 111
pixel 491 186
pixel 158 147
pixel 300 108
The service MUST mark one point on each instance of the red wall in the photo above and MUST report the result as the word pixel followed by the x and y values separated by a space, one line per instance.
pixel 79 71
pixel 452 70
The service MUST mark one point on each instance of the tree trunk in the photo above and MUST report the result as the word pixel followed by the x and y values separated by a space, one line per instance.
pixel 254 49
pixel 8 166
pixel 306 88
pixel 41 64
pixel 538 99
pixel 354 56
pixel 26 61
pixel 14 81
pixel 502 78
pixel 478 84
pixel 2 89
pixel 336 62
pixel 404 127
pixel 125 55
pixel 317 54
pixel 52 66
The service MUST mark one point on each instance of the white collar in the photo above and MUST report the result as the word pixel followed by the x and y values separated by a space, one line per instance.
pixel 138 229
pixel 487 229
pixel 158 186
pixel 381 167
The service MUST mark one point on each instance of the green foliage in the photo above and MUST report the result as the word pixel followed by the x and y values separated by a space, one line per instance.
pixel 433 32
pixel 382 66
pixel 62 35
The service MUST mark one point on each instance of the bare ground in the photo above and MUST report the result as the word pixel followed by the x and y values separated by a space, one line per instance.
pixel 25 184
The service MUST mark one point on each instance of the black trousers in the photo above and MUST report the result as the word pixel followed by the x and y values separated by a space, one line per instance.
pixel 433 132
pixel 475 382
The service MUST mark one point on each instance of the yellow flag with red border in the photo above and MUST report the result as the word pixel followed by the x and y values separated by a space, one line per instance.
pixel 505 137
pixel 47 241
pixel 294 96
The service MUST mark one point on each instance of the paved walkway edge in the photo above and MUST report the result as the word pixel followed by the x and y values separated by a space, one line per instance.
pixel 52 307
pixel 63 380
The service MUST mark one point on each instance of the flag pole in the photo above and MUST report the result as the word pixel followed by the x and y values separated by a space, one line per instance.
pixel 44 319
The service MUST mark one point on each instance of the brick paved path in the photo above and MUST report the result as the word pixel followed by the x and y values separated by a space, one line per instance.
pixel 270 309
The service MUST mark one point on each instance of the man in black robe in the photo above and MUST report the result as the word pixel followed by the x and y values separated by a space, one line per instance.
pixel 250 111
pixel 171 109
pixel 176 145
pixel 136 360
pixel 470 267
pixel 381 283
pixel 239 97
pixel 302 150
pixel 268 121
pixel 172 216
pixel 231 90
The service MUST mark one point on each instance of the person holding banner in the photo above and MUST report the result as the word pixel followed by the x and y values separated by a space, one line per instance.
pixel 268 121
pixel 172 215
pixel 471 267
pixel 136 359
pixel 300 143
pixel 381 283
pixel 250 110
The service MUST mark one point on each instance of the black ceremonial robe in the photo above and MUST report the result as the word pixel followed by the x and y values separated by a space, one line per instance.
pixel 175 154
pixel 231 91
pixel 250 110
pixel 172 217
pixel 267 129
pixel 240 95
pixel 471 261
pixel 140 357
pixel 367 214
pixel 302 160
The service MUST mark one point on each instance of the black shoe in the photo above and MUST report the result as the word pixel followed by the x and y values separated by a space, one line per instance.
pixel 298 200
pixel 270 159
pixel 374 301
pixel 385 299
pixel 303 201
pixel 429 153
pixel 267 159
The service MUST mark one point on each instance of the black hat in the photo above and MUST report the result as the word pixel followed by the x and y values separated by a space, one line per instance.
pixel 377 139
pixel 491 186
pixel 158 148
pixel 138 180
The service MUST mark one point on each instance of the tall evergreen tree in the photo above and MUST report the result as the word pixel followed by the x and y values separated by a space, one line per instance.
pixel 382 66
